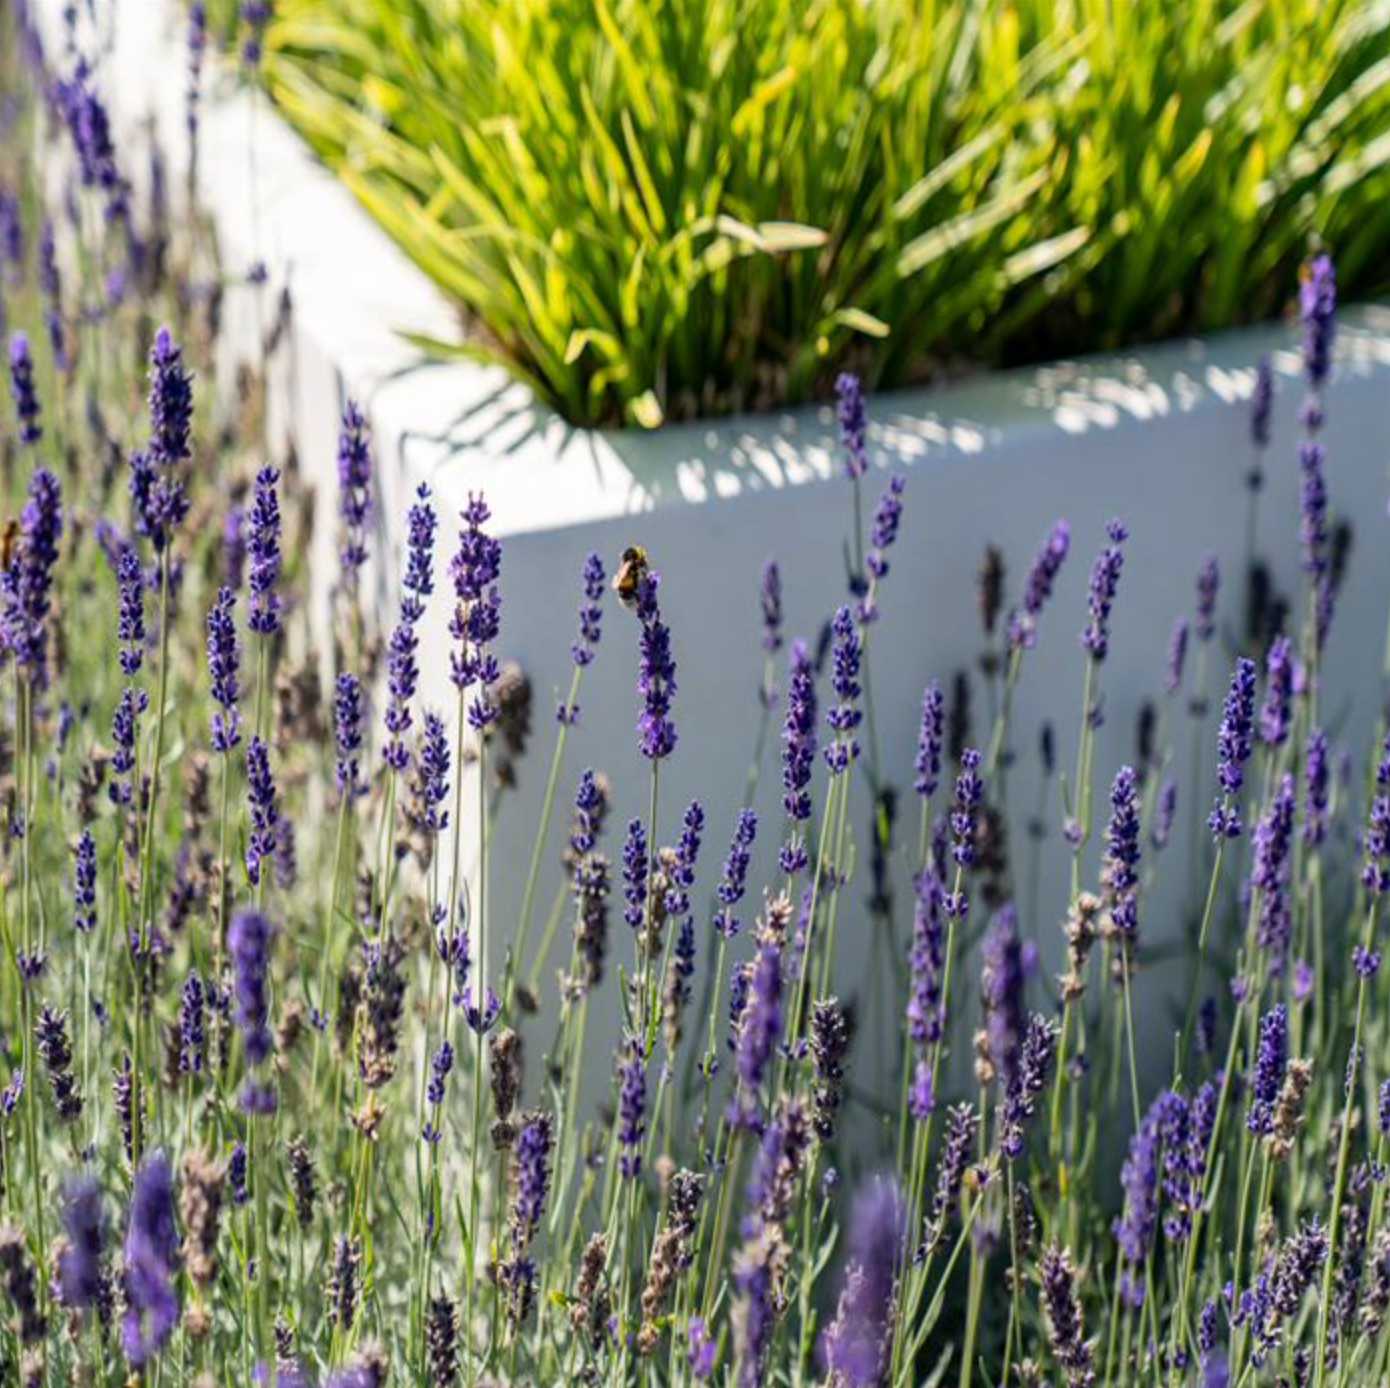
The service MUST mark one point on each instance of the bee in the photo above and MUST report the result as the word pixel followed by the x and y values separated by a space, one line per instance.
pixel 632 569
pixel 9 542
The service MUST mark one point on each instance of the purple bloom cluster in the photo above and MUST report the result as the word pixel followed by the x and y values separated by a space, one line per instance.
pixel 1023 621
pixel 1269 873
pixel 798 752
pixel 632 1108
pixel 590 612
pixel 1317 779
pixel 130 617
pixel 1234 744
pixel 1208 590
pixel 26 586
pixel 431 784
pixel 970 791
pixel 224 658
pixel 347 732
pixel 1120 873
pixel 733 881
pixel 1135 1227
pixel 26 399
pixel 656 674
pixel 1375 875
pixel 85 884
pixel 1276 712
pixel 354 489
pixel 882 533
pixel 81 1276
pixel 1105 580
pixel 927 961
pixel 760 1025
pixel 263 838
pixel 856 1345
pixel 477 619
pixel 849 409
pixel 402 667
pixel 1262 405
pixel 1317 311
pixel 1271 1061
pixel 151 1258
pixel 1001 992
pixel 263 546
pixel 635 875
pixel 845 716
pixel 929 742
pixel 1176 657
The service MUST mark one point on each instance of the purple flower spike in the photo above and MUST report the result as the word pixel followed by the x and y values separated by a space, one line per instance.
pixel 402 668
pixel 26 586
pixel 590 612
pixel 431 784
pixel 1001 992
pixel 248 941
pixel 224 658
pixel 927 961
pixel 761 1023
pixel 770 598
pixel 81 1277
pixel 732 883
pixel 703 1349
pixel 1120 871
pixel 1270 874
pixel 1317 778
pixel 845 717
pixel 1177 658
pixel 1276 713
pixel 970 791
pixel 1317 310
pixel 632 1109
pixel 264 548
pixel 347 728
pixel 1271 1060
pixel 656 675
pixel 798 752
pixel 635 883
pixel 265 809
pixel 930 740
pixel 354 490
pixel 130 620
pixel 1023 622
pixel 477 619
pixel 849 409
pixel 1105 580
pixel 1135 1228
pixel 856 1345
pixel 1234 742
pixel 151 1256
pixel 256 16
pixel 85 884
pixel 882 534
pixel 26 399
pixel 1376 873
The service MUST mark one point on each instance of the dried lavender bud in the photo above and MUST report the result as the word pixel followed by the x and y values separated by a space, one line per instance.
pixel 989 588
pixel 673 1253
pixel 21 1285
pixel 832 1030
pixel 590 1304
pixel 441 1341
pixel 380 1013
pixel 200 1206
pixel 303 1180
pixel 1065 1328
pixel 505 1047
pixel 343 1290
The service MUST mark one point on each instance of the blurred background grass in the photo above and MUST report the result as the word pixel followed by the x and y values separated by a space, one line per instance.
pixel 656 209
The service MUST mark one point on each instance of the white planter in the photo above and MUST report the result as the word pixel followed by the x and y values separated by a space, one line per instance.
pixel 1158 437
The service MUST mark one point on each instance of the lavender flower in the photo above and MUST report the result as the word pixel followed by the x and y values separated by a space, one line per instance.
pixel 477 618
pixel 1270 872
pixel 402 668
pixel 856 1345
pixel 130 621
pixel 354 490
pixel 1233 748
pixel 26 399
pixel 853 425
pixel 1105 580
pixel 81 1276
pixel 1066 1330
pixel 760 1025
pixel 1120 873
pixel 431 785
pixel 798 753
pixel 234 547
pixel 883 532
pixel 1134 1229
pixel 248 942
pixel 192 1038
pixel 347 728
pixel 256 16
pixel 927 962
pixel 1023 621
pixel 151 1254
pixel 703 1349
pixel 1375 875
pixel 265 809
pixel 1271 1060
pixel 26 586
pixel 1317 310
pixel 632 1108
pixel 635 885
pixel 263 545
pixel 656 674
pixel 970 790
pixel 1001 992
pixel 1316 774
pixel 732 882
pixel 590 612
pixel 845 717
pixel 85 884
pixel 929 742
pixel 1036 1057
pixel 1276 711
pixel 224 658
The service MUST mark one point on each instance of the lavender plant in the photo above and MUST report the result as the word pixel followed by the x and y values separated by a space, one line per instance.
pixel 332 1131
